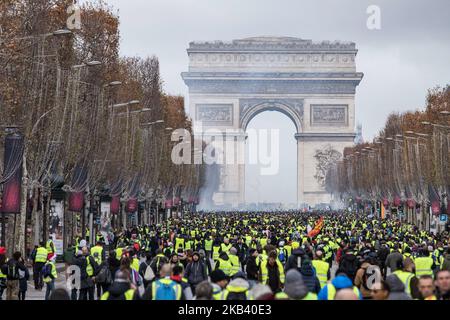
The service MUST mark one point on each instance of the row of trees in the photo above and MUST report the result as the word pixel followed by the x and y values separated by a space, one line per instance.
pixel 408 162
pixel 93 121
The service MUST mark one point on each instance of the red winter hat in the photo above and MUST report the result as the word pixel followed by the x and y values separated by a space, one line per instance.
pixel 2 250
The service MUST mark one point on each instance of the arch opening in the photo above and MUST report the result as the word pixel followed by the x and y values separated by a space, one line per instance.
pixel 266 189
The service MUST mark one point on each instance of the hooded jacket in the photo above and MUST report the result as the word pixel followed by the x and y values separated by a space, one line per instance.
pixel 196 271
pixel 294 260
pixel 117 290
pixel 309 277
pixel 237 289
pixel 397 288
pixel 294 286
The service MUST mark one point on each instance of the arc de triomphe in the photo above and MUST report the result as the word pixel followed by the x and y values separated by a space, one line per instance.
pixel 313 83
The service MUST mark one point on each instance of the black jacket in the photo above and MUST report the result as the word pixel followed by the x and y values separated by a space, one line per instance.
pixel 117 291
pixel 309 277
pixel 242 250
pixel 85 280
pixel 251 268
pixel 196 272
pixel 294 260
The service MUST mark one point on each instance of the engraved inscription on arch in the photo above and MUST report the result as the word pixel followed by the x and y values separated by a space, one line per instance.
pixel 215 114
pixel 329 115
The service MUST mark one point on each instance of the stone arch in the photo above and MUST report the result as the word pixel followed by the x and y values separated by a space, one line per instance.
pixel 293 111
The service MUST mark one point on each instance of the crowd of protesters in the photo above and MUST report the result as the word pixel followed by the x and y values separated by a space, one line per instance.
pixel 247 256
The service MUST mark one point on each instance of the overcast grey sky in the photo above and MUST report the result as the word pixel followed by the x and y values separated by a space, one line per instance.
pixel 410 53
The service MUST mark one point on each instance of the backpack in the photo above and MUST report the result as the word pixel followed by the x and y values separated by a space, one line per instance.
pixel 149 275
pixel 104 275
pixel 47 270
pixel 282 256
pixel 165 291
pixel 13 271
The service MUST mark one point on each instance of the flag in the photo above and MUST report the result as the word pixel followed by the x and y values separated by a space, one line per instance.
pixel 434 200
pixel 12 175
pixel 383 211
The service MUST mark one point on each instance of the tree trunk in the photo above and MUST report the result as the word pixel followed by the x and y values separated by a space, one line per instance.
pixel 19 226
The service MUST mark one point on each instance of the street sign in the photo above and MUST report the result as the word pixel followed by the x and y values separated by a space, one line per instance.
pixel 443 218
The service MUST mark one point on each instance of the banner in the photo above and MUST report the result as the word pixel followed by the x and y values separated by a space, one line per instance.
pixel 115 205
pixel 12 174
pixel 383 211
pixel 76 201
pixel 132 205
pixel 56 225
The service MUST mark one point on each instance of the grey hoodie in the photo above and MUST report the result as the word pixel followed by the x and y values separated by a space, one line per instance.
pixel 397 288
pixel 294 286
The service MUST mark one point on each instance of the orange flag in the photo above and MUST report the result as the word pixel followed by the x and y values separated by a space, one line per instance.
pixel 383 212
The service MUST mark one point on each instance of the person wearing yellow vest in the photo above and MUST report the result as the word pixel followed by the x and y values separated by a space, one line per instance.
pixel 98 253
pixel 49 276
pixel 39 258
pixel 237 289
pixel 407 276
pixel 121 288
pixel 424 264
pixel 295 288
pixel 3 261
pixel 179 243
pixel 234 260
pixel 223 263
pixel 216 250
pixel 226 246
pixel 88 270
pixel 50 246
pixel 164 288
pixel 208 247
pixel 322 268
pixel 341 281
pixel 272 272
pixel 219 282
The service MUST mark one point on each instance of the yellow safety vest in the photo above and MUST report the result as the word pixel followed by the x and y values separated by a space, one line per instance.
pixel 423 266
pixel 225 266
pixel 89 268
pixel 208 244
pixel 331 291
pixel 405 277
pixel 295 245
pixel 234 263
pixel 49 246
pixel 135 264
pixel 263 242
pixel 96 253
pixel 288 249
pixel 179 243
pixel 283 296
pixel 119 252
pixel 216 253
pixel 322 268
pixel 265 272
pixel 54 273
pixel 41 255
pixel 129 294
pixel 233 289
pixel 226 248
pixel 248 240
